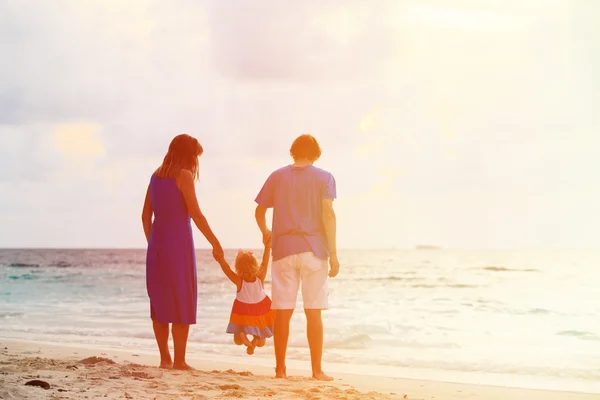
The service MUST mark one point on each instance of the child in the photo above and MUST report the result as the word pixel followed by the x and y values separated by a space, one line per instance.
pixel 251 313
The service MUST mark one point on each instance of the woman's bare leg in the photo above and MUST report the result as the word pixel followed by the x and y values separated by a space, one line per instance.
pixel 161 333
pixel 180 337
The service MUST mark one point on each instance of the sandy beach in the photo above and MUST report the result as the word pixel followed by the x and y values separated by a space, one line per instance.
pixel 89 373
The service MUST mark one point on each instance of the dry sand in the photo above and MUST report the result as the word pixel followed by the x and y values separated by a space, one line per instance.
pixel 87 373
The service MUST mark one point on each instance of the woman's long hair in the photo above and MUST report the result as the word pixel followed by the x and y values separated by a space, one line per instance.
pixel 183 153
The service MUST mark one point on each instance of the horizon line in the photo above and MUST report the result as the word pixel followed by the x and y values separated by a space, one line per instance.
pixel 416 247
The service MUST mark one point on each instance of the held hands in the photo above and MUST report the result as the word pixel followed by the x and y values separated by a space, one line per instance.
pixel 218 253
pixel 267 238
pixel 334 265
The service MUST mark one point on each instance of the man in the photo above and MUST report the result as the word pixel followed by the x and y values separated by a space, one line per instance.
pixel 303 239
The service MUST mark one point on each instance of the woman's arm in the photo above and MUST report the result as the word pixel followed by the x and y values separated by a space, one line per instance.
pixel 229 273
pixel 186 185
pixel 264 265
pixel 147 215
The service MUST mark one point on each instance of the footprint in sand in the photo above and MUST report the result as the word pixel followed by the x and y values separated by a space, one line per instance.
pixel 208 388
pixel 235 393
pixel 230 387
pixel 96 360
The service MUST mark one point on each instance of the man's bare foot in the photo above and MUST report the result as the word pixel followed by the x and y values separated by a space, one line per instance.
pixel 166 364
pixel 280 373
pixel 322 376
pixel 183 367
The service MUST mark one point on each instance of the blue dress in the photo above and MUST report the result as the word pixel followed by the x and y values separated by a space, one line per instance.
pixel 170 258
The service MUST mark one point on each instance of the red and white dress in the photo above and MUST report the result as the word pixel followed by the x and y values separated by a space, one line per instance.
pixel 251 312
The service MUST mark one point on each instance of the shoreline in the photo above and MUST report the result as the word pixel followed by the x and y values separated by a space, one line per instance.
pixel 264 359
pixel 22 359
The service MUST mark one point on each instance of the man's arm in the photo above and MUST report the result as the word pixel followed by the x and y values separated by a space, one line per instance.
pixel 260 214
pixel 329 224
pixel 265 199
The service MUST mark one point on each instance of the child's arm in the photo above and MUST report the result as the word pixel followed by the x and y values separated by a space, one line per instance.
pixel 264 265
pixel 230 274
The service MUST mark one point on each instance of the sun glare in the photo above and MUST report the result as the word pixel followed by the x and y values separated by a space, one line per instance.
pixel 369 121
pixel 342 24
pixel 458 19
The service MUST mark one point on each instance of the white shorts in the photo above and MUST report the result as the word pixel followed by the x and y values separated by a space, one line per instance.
pixel 288 272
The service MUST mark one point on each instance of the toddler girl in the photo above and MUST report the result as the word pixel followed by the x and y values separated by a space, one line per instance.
pixel 251 313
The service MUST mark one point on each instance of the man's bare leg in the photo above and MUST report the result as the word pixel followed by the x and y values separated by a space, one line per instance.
pixel 161 333
pixel 314 332
pixel 180 337
pixel 281 334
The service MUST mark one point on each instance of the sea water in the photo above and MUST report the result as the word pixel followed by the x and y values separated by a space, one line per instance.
pixel 511 318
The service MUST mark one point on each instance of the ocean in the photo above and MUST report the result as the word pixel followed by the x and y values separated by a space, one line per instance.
pixel 509 318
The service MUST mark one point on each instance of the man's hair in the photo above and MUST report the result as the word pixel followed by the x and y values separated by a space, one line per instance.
pixel 305 147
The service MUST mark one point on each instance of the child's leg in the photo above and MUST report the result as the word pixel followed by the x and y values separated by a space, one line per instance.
pixel 242 338
pixel 237 339
pixel 258 341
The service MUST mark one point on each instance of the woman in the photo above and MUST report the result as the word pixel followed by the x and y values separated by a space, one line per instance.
pixel 170 259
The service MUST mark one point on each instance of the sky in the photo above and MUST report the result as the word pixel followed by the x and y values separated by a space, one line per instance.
pixel 464 124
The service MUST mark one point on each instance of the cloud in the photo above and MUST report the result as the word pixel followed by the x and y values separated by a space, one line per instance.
pixel 26 153
pixel 431 116
pixel 79 140
pixel 314 41
pixel 99 61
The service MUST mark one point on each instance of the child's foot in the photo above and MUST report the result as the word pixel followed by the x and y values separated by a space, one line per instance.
pixel 183 367
pixel 167 364
pixel 322 376
pixel 250 349
pixel 257 341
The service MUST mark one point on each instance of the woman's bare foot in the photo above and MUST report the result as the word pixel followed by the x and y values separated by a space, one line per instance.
pixel 168 364
pixel 280 373
pixel 250 349
pixel 322 376
pixel 183 367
